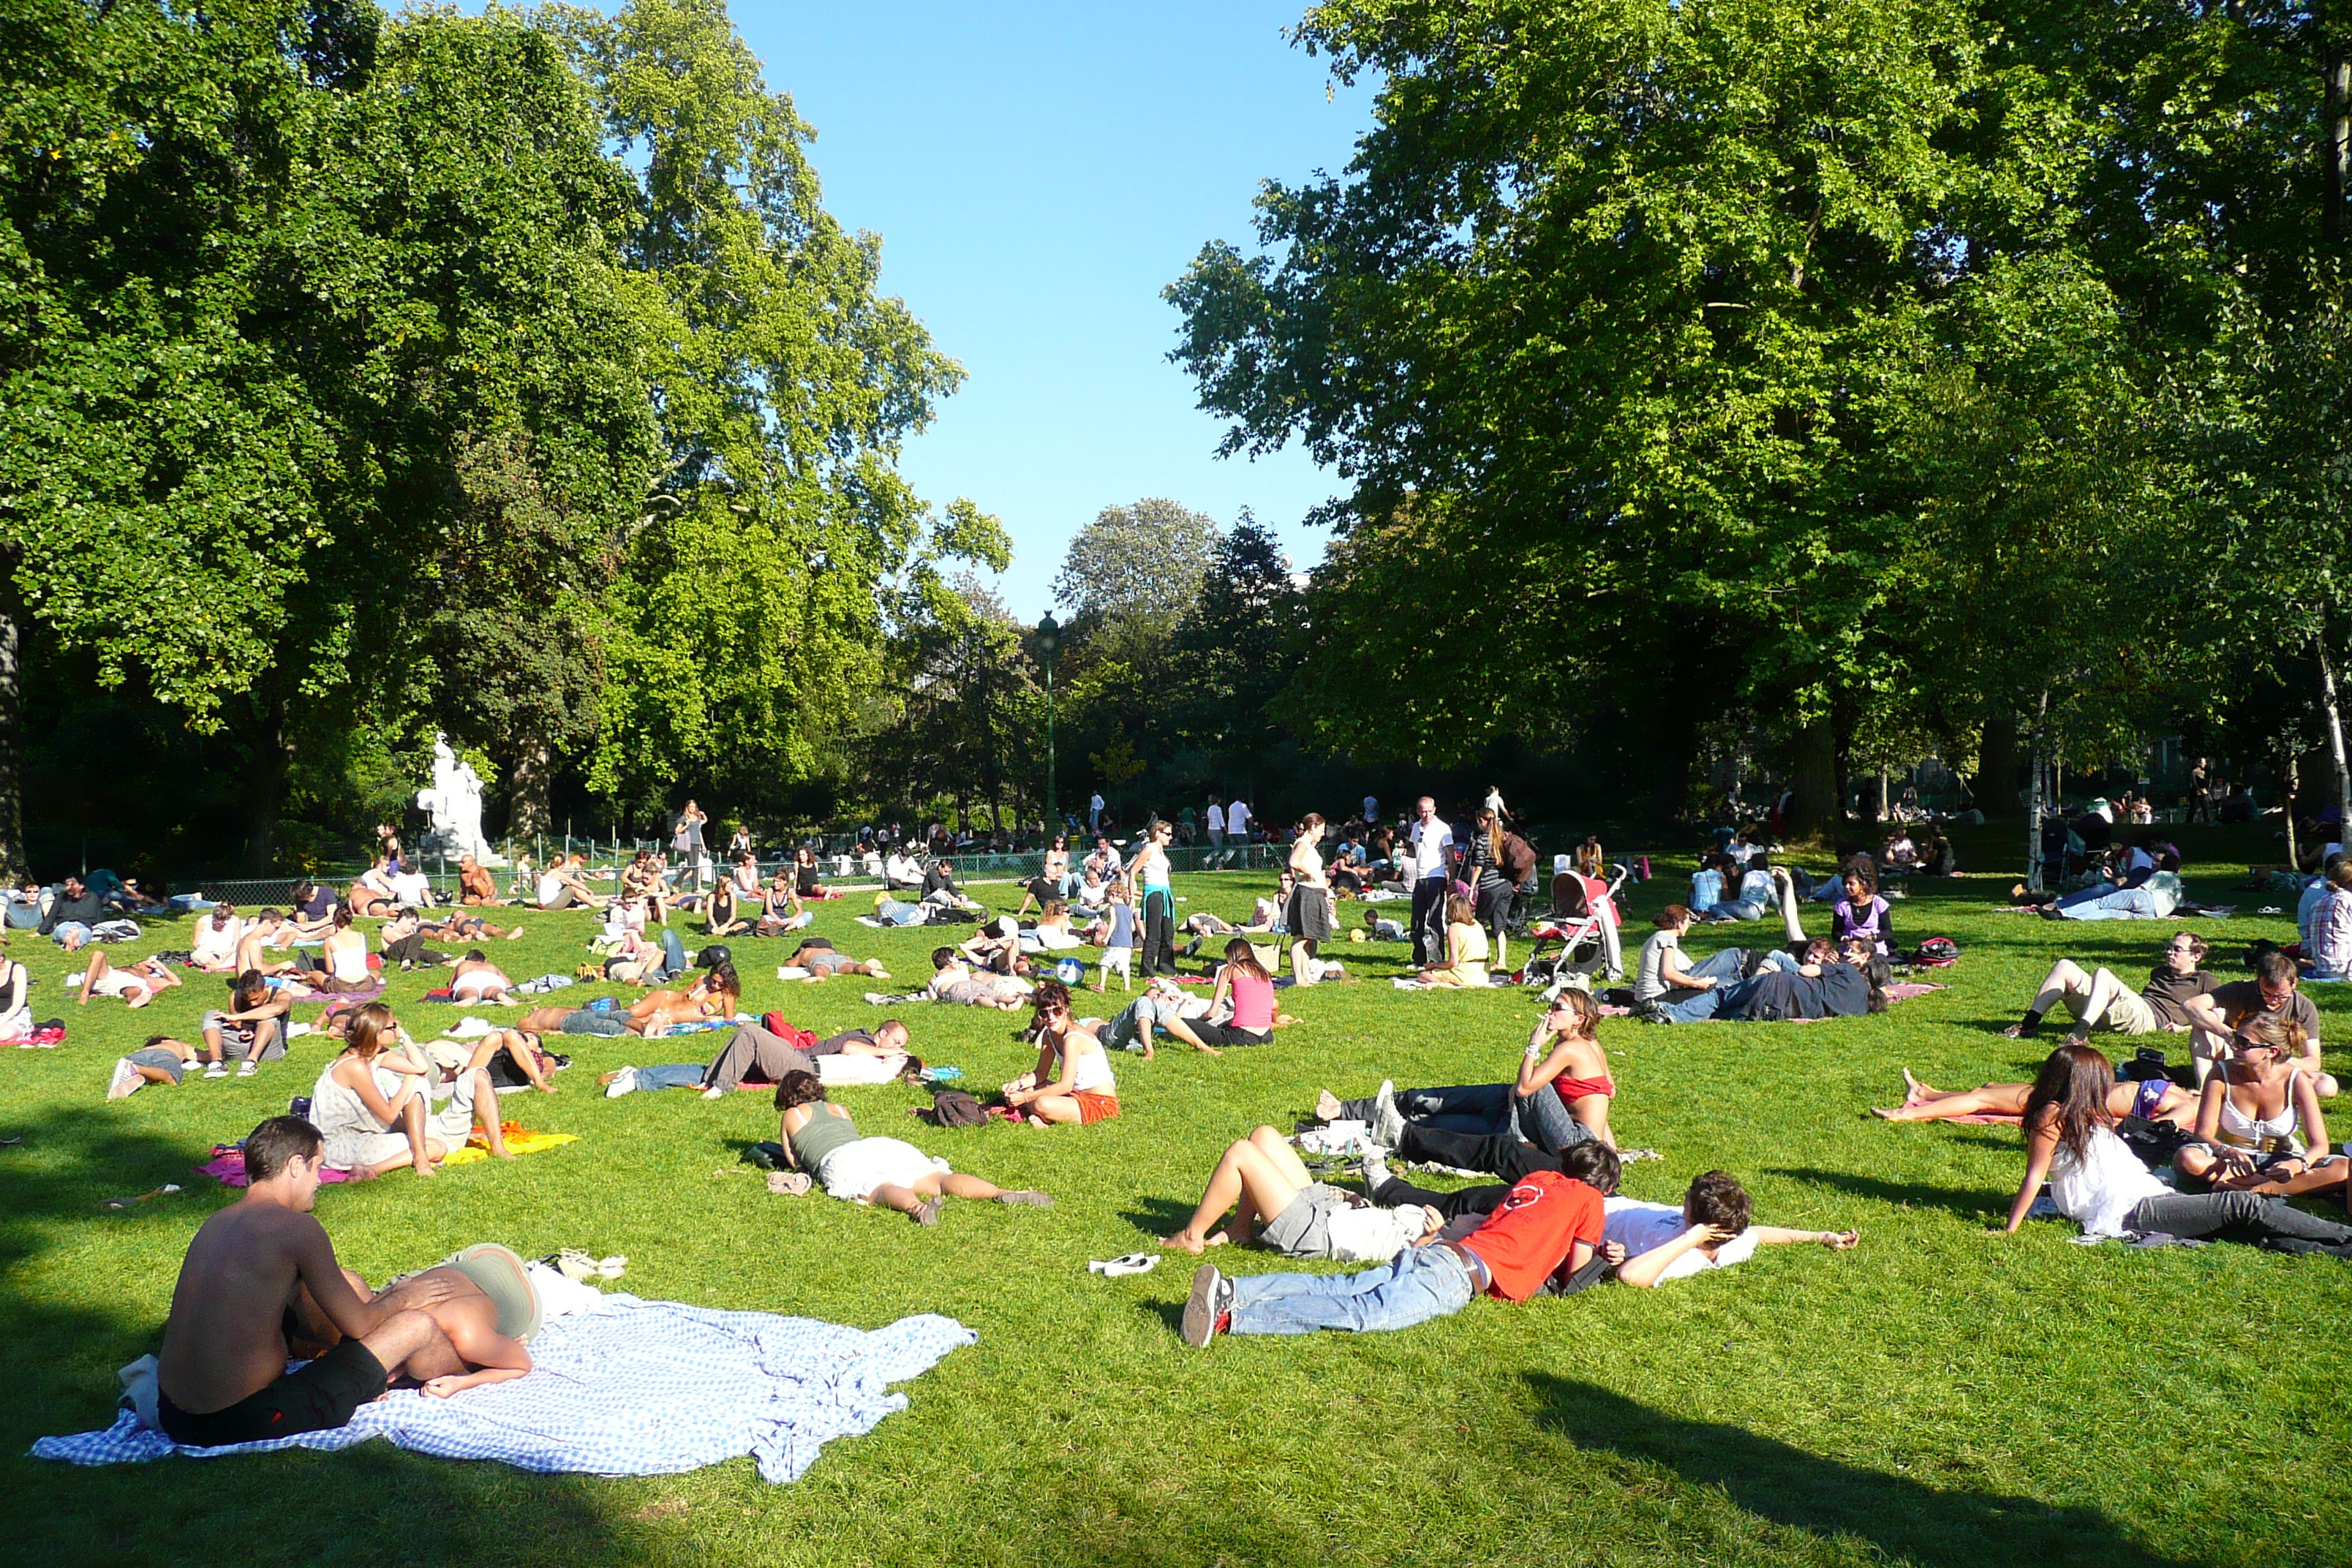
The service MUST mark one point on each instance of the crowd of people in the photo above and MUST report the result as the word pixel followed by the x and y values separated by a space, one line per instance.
pixel 2221 1147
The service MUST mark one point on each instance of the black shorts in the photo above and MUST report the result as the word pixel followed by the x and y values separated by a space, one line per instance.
pixel 322 1396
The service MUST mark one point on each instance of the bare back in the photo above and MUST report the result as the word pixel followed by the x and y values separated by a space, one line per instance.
pixel 227 1336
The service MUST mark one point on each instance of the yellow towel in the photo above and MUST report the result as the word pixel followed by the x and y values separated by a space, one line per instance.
pixel 517 1142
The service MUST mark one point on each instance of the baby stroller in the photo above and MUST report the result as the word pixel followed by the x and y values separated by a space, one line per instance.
pixel 1583 920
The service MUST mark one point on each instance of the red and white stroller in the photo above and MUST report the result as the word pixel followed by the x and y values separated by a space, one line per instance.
pixel 1583 920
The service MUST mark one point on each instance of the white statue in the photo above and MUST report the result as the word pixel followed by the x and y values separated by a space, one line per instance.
pixel 455 803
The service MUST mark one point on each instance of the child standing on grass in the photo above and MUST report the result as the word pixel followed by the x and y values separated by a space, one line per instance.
pixel 1118 943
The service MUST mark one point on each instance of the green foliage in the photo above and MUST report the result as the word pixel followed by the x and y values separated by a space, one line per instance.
pixel 748 616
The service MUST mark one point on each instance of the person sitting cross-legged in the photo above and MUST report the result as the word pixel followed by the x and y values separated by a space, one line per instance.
pixel 1546 1231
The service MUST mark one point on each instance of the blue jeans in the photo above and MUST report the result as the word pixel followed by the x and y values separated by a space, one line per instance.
pixel 1696 1007
pixel 66 932
pixel 1732 910
pixel 1484 1109
pixel 673 955
pixel 892 912
pixel 673 1075
pixel 2118 904
pixel 1827 890
pixel 1418 1284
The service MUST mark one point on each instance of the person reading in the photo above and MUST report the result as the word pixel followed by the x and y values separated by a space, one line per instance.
pixel 222 1375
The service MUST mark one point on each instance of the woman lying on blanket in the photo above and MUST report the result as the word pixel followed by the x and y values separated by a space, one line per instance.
pixel 1559 1099
pixel 2151 1100
pixel 715 996
pixel 820 1139
pixel 136 984
pixel 476 1353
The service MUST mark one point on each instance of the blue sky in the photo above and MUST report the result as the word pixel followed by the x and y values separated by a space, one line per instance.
pixel 1037 175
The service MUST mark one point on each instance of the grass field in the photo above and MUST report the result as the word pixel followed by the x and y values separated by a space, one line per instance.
pixel 1939 1396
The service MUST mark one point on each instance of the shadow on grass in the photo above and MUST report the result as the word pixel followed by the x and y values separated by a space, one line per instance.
pixel 1899 1517
pixel 1967 1205
pixel 1157 1217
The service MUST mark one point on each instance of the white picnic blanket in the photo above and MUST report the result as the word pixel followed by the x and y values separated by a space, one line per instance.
pixel 639 1388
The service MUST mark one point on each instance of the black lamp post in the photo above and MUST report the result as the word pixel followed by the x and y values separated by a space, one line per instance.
pixel 1049 641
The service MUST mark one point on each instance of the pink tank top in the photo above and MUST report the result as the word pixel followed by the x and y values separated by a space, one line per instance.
pixel 1253 1003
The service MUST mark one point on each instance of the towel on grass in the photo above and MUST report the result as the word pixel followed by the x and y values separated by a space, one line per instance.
pixel 640 1388
pixel 519 1141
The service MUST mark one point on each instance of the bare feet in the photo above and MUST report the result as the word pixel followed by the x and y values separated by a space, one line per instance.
pixel 1327 1107
pixel 1184 1241
pixel 1028 1196
pixel 928 1212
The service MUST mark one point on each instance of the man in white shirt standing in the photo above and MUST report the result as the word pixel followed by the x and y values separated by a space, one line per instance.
pixel 1433 849
pixel 1237 821
pixel 1094 813
pixel 1216 822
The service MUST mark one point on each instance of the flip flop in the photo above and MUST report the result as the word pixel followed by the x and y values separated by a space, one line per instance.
pixel 1133 1263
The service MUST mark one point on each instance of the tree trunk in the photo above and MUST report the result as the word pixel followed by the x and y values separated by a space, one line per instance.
pixel 2334 736
pixel 272 756
pixel 530 775
pixel 1814 810
pixel 1674 741
pixel 13 867
pixel 2336 80
pixel 2033 802
pixel 2294 781
pixel 1996 780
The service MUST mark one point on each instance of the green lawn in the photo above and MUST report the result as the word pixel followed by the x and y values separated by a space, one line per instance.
pixel 1940 1396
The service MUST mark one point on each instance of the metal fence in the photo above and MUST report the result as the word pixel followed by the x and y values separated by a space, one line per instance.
pixel 840 870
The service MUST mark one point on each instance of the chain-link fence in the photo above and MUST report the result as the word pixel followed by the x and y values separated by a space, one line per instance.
pixel 841 870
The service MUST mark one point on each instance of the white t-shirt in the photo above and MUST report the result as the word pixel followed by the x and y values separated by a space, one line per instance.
pixel 1237 817
pixel 216 943
pixel 1641 1227
pixel 411 887
pixel 551 886
pixel 1370 1234
pixel 1431 842
pixel 1216 819
pixel 1096 805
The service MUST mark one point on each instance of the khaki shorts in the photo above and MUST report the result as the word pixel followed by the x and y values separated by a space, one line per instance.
pixel 2130 1012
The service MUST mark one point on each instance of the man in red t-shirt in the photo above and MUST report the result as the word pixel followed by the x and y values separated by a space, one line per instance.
pixel 1547 1226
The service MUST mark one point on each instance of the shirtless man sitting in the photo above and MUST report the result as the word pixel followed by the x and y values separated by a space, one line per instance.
pixel 222 1376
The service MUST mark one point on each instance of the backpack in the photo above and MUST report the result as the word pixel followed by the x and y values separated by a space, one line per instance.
pixel 954 1108
pixel 787 1031
pixel 1936 951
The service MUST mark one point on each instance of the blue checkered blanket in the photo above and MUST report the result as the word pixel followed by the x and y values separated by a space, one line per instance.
pixel 638 1388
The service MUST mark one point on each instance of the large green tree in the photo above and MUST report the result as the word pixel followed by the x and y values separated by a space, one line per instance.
pixel 747 618
pixel 279 276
